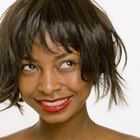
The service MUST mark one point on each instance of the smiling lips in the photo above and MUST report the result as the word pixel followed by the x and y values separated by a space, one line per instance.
pixel 55 105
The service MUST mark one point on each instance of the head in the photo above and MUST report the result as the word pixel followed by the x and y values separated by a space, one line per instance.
pixel 78 25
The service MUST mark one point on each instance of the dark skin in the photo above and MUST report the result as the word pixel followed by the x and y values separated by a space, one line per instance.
pixel 44 75
pixel 68 131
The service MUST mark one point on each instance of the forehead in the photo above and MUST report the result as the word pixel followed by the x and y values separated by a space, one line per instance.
pixel 47 45
pixel 50 47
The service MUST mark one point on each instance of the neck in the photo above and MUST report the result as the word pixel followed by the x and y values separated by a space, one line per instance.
pixel 78 124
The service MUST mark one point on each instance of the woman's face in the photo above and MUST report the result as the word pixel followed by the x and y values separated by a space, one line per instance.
pixel 51 83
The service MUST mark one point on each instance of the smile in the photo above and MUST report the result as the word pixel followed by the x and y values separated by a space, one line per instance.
pixel 55 105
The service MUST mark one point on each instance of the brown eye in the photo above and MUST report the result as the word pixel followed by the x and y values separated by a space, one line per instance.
pixel 29 67
pixel 66 64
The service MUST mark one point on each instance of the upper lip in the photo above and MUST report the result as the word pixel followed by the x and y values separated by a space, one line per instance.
pixel 53 100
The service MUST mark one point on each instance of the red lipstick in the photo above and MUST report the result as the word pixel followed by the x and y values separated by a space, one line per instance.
pixel 55 105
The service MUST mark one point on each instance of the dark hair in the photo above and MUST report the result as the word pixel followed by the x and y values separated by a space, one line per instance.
pixel 80 24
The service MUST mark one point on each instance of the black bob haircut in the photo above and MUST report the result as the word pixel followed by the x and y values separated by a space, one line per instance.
pixel 81 24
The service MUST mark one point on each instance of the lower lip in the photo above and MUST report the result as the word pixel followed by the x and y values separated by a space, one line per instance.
pixel 56 108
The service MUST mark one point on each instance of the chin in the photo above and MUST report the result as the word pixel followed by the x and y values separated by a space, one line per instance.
pixel 56 118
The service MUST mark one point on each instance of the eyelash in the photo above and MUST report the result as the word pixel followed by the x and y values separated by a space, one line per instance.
pixel 30 66
pixel 68 63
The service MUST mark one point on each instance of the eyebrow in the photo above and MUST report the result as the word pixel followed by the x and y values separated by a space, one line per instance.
pixel 63 55
pixel 57 57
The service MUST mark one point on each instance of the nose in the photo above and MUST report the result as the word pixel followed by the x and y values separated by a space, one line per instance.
pixel 49 82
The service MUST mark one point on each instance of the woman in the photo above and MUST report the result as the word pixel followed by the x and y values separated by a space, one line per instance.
pixel 59 51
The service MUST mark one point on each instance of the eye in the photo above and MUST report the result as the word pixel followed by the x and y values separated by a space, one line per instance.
pixel 29 67
pixel 67 64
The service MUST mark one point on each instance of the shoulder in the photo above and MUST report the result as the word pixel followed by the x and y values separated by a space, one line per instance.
pixel 128 137
pixel 109 134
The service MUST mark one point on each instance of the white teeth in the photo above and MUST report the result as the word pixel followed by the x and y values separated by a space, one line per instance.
pixel 54 103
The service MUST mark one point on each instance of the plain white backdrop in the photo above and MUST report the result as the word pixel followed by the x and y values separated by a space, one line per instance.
pixel 125 17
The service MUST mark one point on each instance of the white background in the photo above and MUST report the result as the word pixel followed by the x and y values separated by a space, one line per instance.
pixel 125 15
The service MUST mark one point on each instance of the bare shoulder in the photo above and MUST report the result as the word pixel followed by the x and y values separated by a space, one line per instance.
pixel 129 137
pixel 109 134
pixel 20 135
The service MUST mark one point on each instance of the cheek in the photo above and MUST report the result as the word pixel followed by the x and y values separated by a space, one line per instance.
pixel 70 78
pixel 26 86
pixel 76 83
